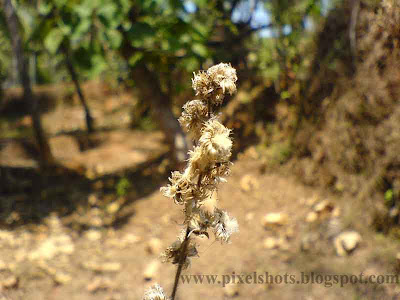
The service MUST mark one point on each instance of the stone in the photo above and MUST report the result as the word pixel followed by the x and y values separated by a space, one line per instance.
pixel 10 282
pixel 102 267
pixel 274 219
pixel 271 243
pixel 3 265
pixel 151 270
pixel 231 290
pixel 249 216
pixel 154 246
pixel 62 278
pixel 113 207
pixel 311 217
pixel 248 183
pixel 323 206
pixel 346 242
pixel 53 246
pixel 93 235
pixel 99 283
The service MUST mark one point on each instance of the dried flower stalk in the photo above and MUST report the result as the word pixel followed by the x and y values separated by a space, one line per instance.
pixel 208 165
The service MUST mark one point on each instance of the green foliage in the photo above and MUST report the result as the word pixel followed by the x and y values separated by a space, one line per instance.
pixel 278 152
pixel 389 196
pixel 165 37
pixel 285 55
pixel 88 29
pixel 122 187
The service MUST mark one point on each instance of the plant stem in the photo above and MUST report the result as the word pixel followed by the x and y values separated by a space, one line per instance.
pixel 183 254
pixel 185 243
pixel 182 259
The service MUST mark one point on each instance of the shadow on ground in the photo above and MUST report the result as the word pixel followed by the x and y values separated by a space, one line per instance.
pixel 72 190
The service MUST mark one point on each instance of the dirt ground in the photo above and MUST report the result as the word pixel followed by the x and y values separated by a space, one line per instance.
pixel 93 228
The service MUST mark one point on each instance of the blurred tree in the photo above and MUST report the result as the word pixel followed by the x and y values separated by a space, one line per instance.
pixel 22 64
pixel 68 27
pixel 162 48
pixel 163 42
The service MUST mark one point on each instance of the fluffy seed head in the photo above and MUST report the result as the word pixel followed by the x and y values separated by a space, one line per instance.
pixel 213 84
pixel 200 221
pixel 223 76
pixel 201 84
pixel 216 141
pixel 180 189
pixel 155 292
pixel 224 226
pixel 217 174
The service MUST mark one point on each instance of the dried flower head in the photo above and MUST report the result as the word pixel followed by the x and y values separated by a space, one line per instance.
pixel 173 253
pixel 217 174
pixel 193 116
pixel 201 84
pixel 215 83
pixel 216 141
pixel 155 292
pixel 180 189
pixel 223 76
pixel 224 226
pixel 200 221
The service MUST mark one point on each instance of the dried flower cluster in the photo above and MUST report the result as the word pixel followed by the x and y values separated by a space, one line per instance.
pixel 208 165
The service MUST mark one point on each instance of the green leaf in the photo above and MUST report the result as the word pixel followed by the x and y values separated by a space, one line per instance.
pixel 82 56
pixel 98 65
pixel 135 58
pixel 200 50
pixel 53 40
pixel 141 29
pixel 141 34
pixel 60 3
pixel 114 37
pixel 84 10
pixel 108 11
pixel 388 196
pixel 285 95
pixel 45 8
pixel 82 29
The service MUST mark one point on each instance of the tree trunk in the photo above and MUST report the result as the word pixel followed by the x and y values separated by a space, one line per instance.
pixel 149 89
pixel 46 157
pixel 74 77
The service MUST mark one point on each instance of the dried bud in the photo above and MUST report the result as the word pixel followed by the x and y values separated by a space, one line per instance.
pixel 216 175
pixel 173 253
pixel 193 116
pixel 201 84
pixel 200 221
pixel 180 189
pixel 156 292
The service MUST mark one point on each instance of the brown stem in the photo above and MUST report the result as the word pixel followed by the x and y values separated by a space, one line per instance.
pixel 182 259
pixel 183 254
